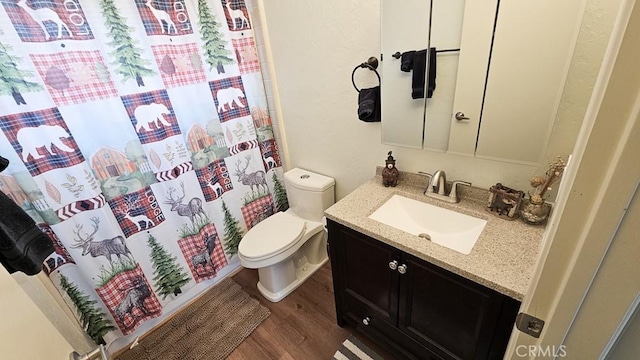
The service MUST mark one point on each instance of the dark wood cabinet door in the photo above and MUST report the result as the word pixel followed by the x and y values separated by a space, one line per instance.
pixel 425 313
pixel 453 316
pixel 362 274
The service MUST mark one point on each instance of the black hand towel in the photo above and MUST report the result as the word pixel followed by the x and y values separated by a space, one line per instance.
pixel 23 246
pixel 417 79
pixel 3 163
pixel 419 69
pixel 432 72
pixel 369 104
pixel 406 60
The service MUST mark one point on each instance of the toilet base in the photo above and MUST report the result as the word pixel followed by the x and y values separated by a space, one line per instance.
pixel 301 274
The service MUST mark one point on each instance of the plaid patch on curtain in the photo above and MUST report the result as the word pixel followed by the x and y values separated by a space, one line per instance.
pixel 229 97
pixel 155 112
pixel 177 66
pixel 247 55
pixel 218 257
pixel 60 256
pixel 137 211
pixel 258 210
pixel 238 16
pixel 42 139
pixel 72 77
pixel 214 180
pixel 114 295
pixel 270 155
pixel 193 248
pixel 28 21
pixel 164 17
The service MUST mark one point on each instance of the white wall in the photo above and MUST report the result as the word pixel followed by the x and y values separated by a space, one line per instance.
pixel 46 297
pixel 314 46
pixel 25 333
pixel 601 181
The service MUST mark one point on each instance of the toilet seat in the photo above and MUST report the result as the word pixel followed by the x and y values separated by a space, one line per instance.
pixel 273 235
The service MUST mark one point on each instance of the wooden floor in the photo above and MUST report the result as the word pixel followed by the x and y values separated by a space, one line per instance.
pixel 301 326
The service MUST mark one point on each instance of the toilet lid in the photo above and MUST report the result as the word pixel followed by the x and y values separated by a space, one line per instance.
pixel 272 235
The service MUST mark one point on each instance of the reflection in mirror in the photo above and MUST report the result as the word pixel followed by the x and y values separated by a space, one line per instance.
pixel 507 79
pixel 446 18
pixel 404 28
pixel 415 26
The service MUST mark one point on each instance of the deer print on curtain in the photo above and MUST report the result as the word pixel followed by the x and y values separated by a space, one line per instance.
pixel 140 142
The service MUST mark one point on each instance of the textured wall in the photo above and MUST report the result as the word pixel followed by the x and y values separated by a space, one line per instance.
pixel 314 47
pixel 594 35
pixel 25 331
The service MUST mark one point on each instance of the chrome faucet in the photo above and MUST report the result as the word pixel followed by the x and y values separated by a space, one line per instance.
pixel 437 187
pixel 438 182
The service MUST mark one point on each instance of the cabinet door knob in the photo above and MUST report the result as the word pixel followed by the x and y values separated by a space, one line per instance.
pixel 402 269
pixel 366 320
pixel 460 116
pixel 393 264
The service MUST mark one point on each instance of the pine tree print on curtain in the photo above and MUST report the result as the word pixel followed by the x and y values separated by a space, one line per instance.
pixel 128 61
pixel 169 275
pixel 92 318
pixel 216 53
pixel 139 140
pixel 232 231
pixel 13 80
pixel 282 203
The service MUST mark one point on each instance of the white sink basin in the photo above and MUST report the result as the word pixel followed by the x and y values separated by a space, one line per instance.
pixel 448 228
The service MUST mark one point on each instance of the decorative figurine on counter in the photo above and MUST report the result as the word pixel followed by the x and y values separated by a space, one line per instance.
pixel 504 202
pixel 390 173
pixel 535 210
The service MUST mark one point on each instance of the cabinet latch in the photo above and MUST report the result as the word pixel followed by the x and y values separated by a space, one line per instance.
pixel 529 324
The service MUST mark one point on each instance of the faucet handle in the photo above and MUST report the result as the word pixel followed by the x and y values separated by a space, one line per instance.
pixel 454 189
pixel 429 185
pixel 465 183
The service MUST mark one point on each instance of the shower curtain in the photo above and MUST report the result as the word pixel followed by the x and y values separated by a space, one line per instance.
pixel 139 140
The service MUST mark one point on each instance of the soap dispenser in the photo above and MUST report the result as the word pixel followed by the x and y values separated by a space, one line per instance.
pixel 390 173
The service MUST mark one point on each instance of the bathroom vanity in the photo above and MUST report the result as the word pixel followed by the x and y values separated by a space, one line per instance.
pixel 421 300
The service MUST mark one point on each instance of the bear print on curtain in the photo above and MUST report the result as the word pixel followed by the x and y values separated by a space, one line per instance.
pixel 139 140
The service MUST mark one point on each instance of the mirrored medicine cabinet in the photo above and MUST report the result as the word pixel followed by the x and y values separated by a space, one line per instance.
pixel 500 72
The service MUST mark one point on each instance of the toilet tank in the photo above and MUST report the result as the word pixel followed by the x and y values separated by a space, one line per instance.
pixel 309 194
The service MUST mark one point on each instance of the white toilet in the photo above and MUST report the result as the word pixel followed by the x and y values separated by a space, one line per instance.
pixel 290 246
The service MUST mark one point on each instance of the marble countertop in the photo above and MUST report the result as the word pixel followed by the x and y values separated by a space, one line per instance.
pixel 502 259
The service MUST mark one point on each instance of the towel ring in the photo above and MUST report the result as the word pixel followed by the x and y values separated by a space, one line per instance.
pixel 371 64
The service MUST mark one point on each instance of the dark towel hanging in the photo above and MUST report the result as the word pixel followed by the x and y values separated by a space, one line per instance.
pixel 23 246
pixel 369 104
pixel 368 99
pixel 432 72
pixel 3 163
pixel 406 60
pixel 417 79
pixel 419 69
